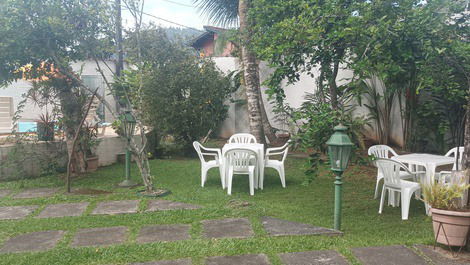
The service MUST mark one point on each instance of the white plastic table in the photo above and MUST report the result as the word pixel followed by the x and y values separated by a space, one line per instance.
pixel 255 147
pixel 429 162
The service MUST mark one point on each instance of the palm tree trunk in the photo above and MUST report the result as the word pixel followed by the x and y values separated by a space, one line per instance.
pixel 267 128
pixel 250 74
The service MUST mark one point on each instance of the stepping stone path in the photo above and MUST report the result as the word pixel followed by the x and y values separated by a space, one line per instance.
pixel 167 262
pixel 100 236
pixel 321 257
pixel 4 193
pixel 116 207
pixel 164 233
pixel 163 205
pixel 63 209
pixel 279 227
pixel 36 193
pixel 16 212
pixel 231 227
pixel 36 241
pixel 440 259
pixel 388 255
pixel 251 259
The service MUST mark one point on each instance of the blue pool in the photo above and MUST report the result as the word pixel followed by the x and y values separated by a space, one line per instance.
pixel 24 126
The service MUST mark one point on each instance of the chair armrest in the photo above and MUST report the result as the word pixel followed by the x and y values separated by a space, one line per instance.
pixel 217 150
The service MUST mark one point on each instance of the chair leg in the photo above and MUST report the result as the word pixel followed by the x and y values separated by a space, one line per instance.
pixel 382 199
pixel 376 194
pixel 222 177
pixel 282 176
pixel 252 183
pixel 229 183
pixel 405 203
pixel 203 176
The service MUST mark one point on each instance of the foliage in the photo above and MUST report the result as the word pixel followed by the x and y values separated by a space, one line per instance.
pixel 445 197
pixel 301 36
pixel 316 121
pixel 183 96
pixel 219 12
pixel 411 46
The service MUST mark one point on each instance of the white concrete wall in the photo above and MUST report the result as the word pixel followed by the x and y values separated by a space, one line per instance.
pixel 39 154
pixel 295 96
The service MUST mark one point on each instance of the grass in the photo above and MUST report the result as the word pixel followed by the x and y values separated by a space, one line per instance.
pixel 312 204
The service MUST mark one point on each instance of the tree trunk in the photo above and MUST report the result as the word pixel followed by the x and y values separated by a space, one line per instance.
pixel 466 153
pixel 250 73
pixel 269 131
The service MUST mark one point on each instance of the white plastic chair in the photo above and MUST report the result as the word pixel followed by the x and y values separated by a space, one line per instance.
pixel 242 138
pixel 276 163
pixel 383 151
pixel 393 182
pixel 241 161
pixel 206 165
pixel 444 176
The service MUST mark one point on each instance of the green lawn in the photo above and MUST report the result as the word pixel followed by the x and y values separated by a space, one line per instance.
pixel 362 225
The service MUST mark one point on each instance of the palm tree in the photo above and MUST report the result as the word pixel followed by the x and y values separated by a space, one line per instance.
pixel 230 13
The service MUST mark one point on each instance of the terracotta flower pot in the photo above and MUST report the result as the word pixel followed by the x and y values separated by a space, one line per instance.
pixel 92 164
pixel 455 224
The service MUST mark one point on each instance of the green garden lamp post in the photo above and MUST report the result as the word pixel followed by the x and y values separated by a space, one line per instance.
pixel 128 123
pixel 339 151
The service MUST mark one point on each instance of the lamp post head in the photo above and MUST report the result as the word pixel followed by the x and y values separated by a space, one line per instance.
pixel 339 148
pixel 128 124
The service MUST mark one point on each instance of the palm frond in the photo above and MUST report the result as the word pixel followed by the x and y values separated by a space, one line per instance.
pixel 222 13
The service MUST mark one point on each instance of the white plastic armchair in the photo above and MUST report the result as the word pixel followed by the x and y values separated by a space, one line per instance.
pixel 208 164
pixel 242 138
pixel 393 182
pixel 383 151
pixel 277 164
pixel 241 161
pixel 444 176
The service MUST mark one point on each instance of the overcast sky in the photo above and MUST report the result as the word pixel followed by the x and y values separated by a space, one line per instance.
pixel 180 11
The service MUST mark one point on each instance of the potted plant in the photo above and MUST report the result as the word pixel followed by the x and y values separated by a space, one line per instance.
pixel 45 127
pixel 450 217
pixel 88 142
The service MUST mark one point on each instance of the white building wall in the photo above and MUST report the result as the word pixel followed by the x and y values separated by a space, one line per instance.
pixel 31 112
pixel 295 95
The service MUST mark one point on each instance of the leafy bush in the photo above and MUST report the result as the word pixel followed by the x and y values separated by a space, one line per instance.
pixel 317 120
pixel 183 96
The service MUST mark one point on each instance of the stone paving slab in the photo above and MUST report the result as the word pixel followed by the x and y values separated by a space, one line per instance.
pixel 36 241
pixel 320 257
pixel 36 193
pixel 279 227
pixel 16 212
pixel 100 236
pixel 231 227
pixel 116 207
pixel 63 210
pixel 388 255
pixel 441 257
pixel 251 259
pixel 4 193
pixel 164 205
pixel 167 262
pixel 163 233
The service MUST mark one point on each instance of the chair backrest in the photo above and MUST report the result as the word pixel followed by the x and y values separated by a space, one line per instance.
pixel 381 151
pixel 240 159
pixel 391 170
pixel 453 152
pixel 197 147
pixel 242 138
